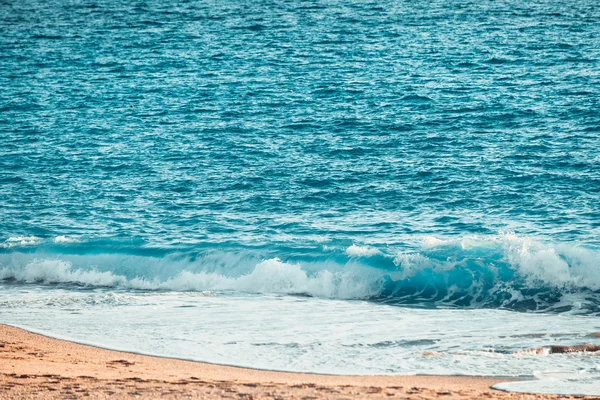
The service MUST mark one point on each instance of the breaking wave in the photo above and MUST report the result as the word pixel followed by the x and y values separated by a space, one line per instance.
pixel 505 271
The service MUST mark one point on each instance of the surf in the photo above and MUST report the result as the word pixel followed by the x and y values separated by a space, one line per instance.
pixel 503 271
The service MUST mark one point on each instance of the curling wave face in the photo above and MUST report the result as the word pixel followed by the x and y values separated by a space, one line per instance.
pixel 504 271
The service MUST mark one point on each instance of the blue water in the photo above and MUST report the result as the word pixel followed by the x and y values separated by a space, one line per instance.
pixel 439 154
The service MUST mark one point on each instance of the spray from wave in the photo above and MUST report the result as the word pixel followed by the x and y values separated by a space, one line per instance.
pixel 215 271
pixel 499 272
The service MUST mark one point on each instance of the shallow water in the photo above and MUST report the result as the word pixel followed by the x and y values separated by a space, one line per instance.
pixel 411 173
pixel 302 334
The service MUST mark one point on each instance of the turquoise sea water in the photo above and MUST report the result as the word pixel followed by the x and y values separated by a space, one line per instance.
pixel 440 156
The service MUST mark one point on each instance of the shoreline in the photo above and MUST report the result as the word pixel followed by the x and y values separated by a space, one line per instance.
pixel 36 366
pixel 33 331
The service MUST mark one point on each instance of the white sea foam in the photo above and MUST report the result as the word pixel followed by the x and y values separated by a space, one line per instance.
pixel 57 271
pixel 410 263
pixel 362 251
pixel 65 239
pixel 269 276
pixel 312 335
pixel 552 265
pixel 432 241
pixel 536 264
pixel 539 263
pixel 21 241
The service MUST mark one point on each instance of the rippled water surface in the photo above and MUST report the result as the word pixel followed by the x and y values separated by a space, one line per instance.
pixel 221 120
pixel 441 156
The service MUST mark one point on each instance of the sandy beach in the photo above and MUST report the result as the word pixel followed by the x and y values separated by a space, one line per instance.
pixel 37 367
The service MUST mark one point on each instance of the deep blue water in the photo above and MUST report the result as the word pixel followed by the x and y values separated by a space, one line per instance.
pixel 147 138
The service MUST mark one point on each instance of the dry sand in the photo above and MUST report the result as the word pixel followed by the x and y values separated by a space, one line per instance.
pixel 37 367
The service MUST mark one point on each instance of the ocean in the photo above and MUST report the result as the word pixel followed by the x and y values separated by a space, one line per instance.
pixel 354 187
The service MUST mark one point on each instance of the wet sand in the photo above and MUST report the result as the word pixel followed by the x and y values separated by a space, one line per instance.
pixel 37 367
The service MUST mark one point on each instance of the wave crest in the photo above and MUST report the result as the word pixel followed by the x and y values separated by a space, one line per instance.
pixel 500 272
pixel 269 276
